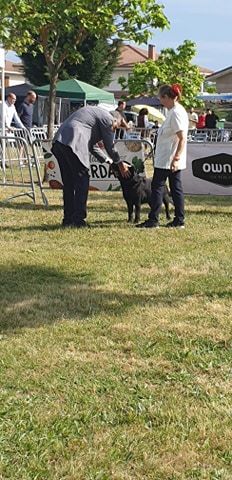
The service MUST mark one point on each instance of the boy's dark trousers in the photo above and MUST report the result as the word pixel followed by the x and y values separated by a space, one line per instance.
pixel 158 182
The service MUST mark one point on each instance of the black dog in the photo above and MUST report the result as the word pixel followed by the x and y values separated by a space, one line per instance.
pixel 136 191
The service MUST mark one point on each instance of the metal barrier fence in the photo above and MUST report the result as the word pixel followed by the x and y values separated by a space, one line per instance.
pixel 45 128
pixel 20 153
pixel 135 133
pixel 210 135
pixel 203 135
pixel 16 166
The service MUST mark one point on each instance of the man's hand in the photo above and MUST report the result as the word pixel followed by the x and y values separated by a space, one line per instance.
pixel 174 164
pixel 109 160
pixel 124 169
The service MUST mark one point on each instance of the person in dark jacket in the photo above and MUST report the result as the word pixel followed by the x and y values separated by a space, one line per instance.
pixel 211 119
pixel 26 109
pixel 76 138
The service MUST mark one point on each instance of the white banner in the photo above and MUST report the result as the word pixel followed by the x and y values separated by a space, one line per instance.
pixel 130 151
pixel 209 169
pixel 101 178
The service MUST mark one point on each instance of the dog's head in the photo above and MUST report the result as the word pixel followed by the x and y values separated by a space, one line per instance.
pixel 114 169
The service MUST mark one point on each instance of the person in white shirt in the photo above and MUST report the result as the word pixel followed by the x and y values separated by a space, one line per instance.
pixel 193 119
pixel 170 158
pixel 11 113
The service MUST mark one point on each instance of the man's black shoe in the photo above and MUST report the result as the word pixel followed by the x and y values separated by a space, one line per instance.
pixel 148 224
pixel 175 224
pixel 82 224
pixel 66 223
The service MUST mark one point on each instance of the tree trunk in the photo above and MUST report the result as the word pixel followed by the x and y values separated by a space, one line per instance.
pixel 52 104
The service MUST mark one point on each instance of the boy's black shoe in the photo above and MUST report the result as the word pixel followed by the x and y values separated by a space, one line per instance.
pixel 175 224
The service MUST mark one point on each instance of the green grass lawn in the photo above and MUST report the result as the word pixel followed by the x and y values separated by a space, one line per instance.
pixel 115 346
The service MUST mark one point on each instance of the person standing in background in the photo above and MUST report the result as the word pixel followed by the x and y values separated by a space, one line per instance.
pixel 11 116
pixel 201 120
pixel 193 119
pixel 120 109
pixel 155 130
pixel 215 119
pixel 11 113
pixel 26 109
pixel 209 119
pixel 121 117
pixel 142 121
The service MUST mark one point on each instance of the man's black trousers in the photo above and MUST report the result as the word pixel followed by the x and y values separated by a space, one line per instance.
pixel 75 177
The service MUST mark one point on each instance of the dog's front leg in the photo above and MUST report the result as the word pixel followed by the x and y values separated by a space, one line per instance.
pixel 137 212
pixel 130 211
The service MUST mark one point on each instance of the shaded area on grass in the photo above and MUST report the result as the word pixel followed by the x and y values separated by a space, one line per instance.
pixel 28 206
pixel 31 296
pixel 58 226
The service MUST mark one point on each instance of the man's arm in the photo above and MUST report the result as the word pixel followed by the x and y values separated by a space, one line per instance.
pixel 195 119
pixel 124 124
pixel 99 153
pixel 8 117
pixel 20 110
pixel 17 120
pixel 8 123
pixel 108 140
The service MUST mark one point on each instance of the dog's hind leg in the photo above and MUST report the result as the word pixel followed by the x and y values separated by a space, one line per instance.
pixel 166 204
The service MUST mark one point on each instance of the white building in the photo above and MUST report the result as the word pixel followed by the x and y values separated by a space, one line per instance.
pixel 14 74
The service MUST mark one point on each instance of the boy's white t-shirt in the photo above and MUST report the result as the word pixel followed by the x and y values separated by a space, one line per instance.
pixel 167 141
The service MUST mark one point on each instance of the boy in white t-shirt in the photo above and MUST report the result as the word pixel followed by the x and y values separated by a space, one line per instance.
pixel 170 158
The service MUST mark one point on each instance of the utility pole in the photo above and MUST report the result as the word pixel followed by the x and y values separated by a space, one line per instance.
pixel 2 67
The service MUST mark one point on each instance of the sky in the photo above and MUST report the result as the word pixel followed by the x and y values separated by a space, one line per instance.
pixel 206 22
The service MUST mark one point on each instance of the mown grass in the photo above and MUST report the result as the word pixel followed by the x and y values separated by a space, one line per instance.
pixel 115 344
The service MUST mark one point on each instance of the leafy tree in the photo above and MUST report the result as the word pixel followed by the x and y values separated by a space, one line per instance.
pixel 61 26
pixel 210 87
pixel 35 68
pixel 171 67
pixel 99 60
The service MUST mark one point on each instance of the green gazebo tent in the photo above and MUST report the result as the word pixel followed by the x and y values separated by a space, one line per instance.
pixel 76 90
